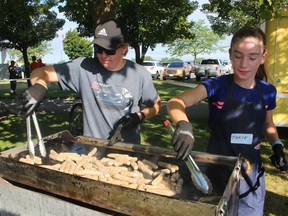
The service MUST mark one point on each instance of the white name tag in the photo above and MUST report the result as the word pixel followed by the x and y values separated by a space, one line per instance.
pixel 239 138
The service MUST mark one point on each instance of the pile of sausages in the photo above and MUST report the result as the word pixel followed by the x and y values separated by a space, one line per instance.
pixel 118 169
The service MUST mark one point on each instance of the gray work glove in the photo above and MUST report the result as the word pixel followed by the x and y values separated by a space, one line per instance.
pixel 279 160
pixel 183 139
pixel 31 98
pixel 130 121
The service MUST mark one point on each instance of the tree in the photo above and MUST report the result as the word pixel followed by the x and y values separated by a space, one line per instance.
pixel 88 13
pixel 152 22
pixel 27 23
pixel 148 22
pixel 76 46
pixel 38 51
pixel 149 58
pixel 204 41
pixel 164 60
pixel 226 16
pixel 175 59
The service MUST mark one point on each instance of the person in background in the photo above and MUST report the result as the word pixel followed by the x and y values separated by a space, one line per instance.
pixel 40 63
pixel 12 75
pixel 240 112
pixel 34 64
pixel 113 89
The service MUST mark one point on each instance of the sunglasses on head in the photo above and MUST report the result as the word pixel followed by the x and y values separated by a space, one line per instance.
pixel 100 50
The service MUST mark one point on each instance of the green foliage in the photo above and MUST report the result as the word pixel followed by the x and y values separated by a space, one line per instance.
pixel 38 51
pixel 148 22
pixel 152 22
pixel 53 91
pixel 76 46
pixel 13 130
pixel 174 59
pixel 166 90
pixel 149 58
pixel 227 16
pixel 27 23
pixel 88 13
pixel 204 41
pixel 167 60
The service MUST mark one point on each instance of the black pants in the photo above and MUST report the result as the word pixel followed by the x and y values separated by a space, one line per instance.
pixel 13 86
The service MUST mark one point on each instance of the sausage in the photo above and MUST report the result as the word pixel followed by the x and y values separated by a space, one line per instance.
pixel 158 179
pixel 124 178
pixel 68 155
pixel 144 168
pixel 172 167
pixel 92 152
pixel 150 164
pixel 85 160
pixel 134 165
pixel 132 174
pixel 120 169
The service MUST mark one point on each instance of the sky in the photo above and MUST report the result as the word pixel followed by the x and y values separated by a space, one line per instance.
pixel 158 53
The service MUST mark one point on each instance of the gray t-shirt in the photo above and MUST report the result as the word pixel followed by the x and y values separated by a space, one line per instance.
pixel 107 96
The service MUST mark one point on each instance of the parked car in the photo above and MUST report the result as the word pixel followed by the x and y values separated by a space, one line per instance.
pixel 210 68
pixel 154 67
pixel 177 69
pixel 164 64
pixel 228 66
pixel 20 71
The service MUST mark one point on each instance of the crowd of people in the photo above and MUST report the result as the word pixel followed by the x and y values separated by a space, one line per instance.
pixel 15 74
pixel 116 91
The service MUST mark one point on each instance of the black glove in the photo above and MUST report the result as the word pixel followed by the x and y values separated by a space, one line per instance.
pixel 183 139
pixel 31 98
pixel 130 121
pixel 279 159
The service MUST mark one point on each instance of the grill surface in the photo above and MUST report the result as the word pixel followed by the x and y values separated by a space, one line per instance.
pixel 117 198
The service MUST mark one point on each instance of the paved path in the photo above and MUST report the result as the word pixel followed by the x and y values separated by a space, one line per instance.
pixel 198 111
pixel 13 105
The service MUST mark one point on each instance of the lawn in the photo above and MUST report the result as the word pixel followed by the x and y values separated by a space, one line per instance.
pixel 13 133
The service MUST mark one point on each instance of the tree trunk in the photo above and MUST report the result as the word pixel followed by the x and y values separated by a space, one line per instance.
pixel 102 10
pixel 27 65
pixel 137 54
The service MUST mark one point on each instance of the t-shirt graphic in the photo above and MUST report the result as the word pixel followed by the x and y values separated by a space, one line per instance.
pixel 112 96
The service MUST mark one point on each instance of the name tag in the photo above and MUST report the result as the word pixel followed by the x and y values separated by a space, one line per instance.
pixel 239 138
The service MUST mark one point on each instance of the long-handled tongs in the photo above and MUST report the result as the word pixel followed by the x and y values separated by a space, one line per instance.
pixel 31 147
pixel 199 179
pixel 117 137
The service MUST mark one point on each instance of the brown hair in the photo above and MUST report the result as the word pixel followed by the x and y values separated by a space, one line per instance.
pixel 249 31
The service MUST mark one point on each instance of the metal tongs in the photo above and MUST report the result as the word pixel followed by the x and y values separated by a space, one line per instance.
pixel 201 181
pixel 117 137
pixel 31 146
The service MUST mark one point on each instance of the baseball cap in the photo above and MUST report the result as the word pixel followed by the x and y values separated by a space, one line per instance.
pixel 109 35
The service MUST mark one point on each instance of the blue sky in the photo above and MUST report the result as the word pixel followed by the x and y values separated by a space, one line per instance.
pixel 158 53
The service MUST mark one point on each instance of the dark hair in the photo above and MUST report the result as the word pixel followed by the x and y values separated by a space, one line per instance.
pixel 33 58
pixel 249 31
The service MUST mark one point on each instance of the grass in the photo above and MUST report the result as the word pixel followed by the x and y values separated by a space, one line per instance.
pixel 13 133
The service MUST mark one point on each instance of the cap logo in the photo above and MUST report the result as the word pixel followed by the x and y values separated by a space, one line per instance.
pixel 102 32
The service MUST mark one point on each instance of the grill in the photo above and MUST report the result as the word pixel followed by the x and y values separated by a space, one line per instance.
pixel 120 199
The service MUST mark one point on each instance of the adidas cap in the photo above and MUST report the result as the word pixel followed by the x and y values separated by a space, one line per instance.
pixel 109 35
